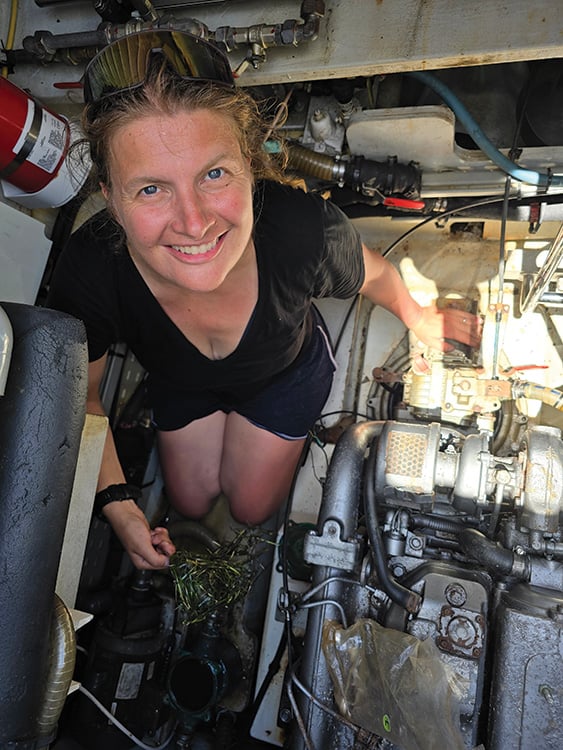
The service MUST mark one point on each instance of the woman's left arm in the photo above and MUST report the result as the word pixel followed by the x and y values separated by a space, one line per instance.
pixel 384 286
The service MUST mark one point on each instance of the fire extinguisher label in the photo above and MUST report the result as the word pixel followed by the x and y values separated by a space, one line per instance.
pixel 49 144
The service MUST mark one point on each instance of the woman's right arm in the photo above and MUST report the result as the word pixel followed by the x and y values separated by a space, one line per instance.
pixel 149 549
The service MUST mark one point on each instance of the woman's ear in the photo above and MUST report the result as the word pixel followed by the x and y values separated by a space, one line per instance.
pixel 105 191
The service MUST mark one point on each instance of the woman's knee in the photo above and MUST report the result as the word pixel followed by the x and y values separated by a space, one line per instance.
pixel 191 493
pixel 248 515
pixel 189 503
pixel 253 508
pixel 190 461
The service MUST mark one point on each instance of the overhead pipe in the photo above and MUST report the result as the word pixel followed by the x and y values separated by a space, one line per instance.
pixel 47 47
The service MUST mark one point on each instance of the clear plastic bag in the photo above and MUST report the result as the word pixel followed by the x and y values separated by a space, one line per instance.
pixel 394 685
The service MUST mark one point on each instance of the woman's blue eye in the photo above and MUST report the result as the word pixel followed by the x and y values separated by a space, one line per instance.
pixel 149 190
pixel 214 174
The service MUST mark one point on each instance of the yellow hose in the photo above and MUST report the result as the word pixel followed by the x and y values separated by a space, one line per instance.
pixel 11 32
pixel 550 396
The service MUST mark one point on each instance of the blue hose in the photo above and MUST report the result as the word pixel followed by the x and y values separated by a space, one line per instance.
pixel 522 175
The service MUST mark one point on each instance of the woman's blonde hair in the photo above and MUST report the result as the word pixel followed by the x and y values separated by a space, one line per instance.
pixel 164 92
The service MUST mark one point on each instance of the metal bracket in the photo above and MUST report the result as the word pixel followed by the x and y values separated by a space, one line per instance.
pixel 330 550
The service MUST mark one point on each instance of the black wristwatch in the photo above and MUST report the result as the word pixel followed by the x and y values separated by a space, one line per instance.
pixel 114 493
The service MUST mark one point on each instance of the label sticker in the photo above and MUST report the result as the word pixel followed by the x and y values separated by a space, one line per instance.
pixel 50 145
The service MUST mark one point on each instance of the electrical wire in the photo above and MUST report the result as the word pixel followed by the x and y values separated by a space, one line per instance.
pixel 345 322
pixel 501 271
pixel 11 32
pixel 332 602
pixel 439 217
pixel 286 640
pixel 336 579
pixel 297 713
pixel 119 725
pixel 352 412
pixel 382 397
pixel 280 115
pixel 273 669
pixel 321 446
pixel 327 709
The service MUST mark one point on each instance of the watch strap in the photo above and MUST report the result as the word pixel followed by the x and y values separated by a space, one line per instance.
pixel 114 493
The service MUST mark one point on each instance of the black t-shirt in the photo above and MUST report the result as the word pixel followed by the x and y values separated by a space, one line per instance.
pixel 305 248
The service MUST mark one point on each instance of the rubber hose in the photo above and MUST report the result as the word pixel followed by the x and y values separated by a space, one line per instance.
pixel 320 166
pixel 495 558
pixel 437 523
pixel 522 175
pixel 388 177
pixel 402 596
pixel 549 396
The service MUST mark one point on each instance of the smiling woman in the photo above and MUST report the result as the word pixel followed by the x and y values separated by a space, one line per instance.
pixel 212 287
pixel 186 208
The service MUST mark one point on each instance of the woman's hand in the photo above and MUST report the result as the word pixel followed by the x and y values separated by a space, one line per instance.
pixel 384 286
pixel 149 549
pixel 437 328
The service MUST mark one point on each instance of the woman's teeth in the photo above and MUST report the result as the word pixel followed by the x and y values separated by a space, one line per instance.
pixel 195 249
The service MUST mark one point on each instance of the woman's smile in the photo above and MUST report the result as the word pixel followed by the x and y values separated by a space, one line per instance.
pixel 200 253
pixel 196 249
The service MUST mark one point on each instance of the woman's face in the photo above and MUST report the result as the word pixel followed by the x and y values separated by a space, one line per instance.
pixel 182 191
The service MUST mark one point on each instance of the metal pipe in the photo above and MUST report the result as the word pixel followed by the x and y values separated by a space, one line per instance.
pixel 340 503
pixel 146 10
pixel 542 279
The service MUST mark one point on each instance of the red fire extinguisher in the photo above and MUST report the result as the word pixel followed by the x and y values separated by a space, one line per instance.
pixel 33 140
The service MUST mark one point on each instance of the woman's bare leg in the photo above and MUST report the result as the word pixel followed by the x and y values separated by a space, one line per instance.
pixel 190 459
pixel 227 453
pixel 257 468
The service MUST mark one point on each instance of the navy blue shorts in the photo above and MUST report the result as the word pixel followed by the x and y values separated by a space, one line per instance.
pixel 287 406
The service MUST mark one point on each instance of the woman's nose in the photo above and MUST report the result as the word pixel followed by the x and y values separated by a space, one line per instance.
pixel 192 215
